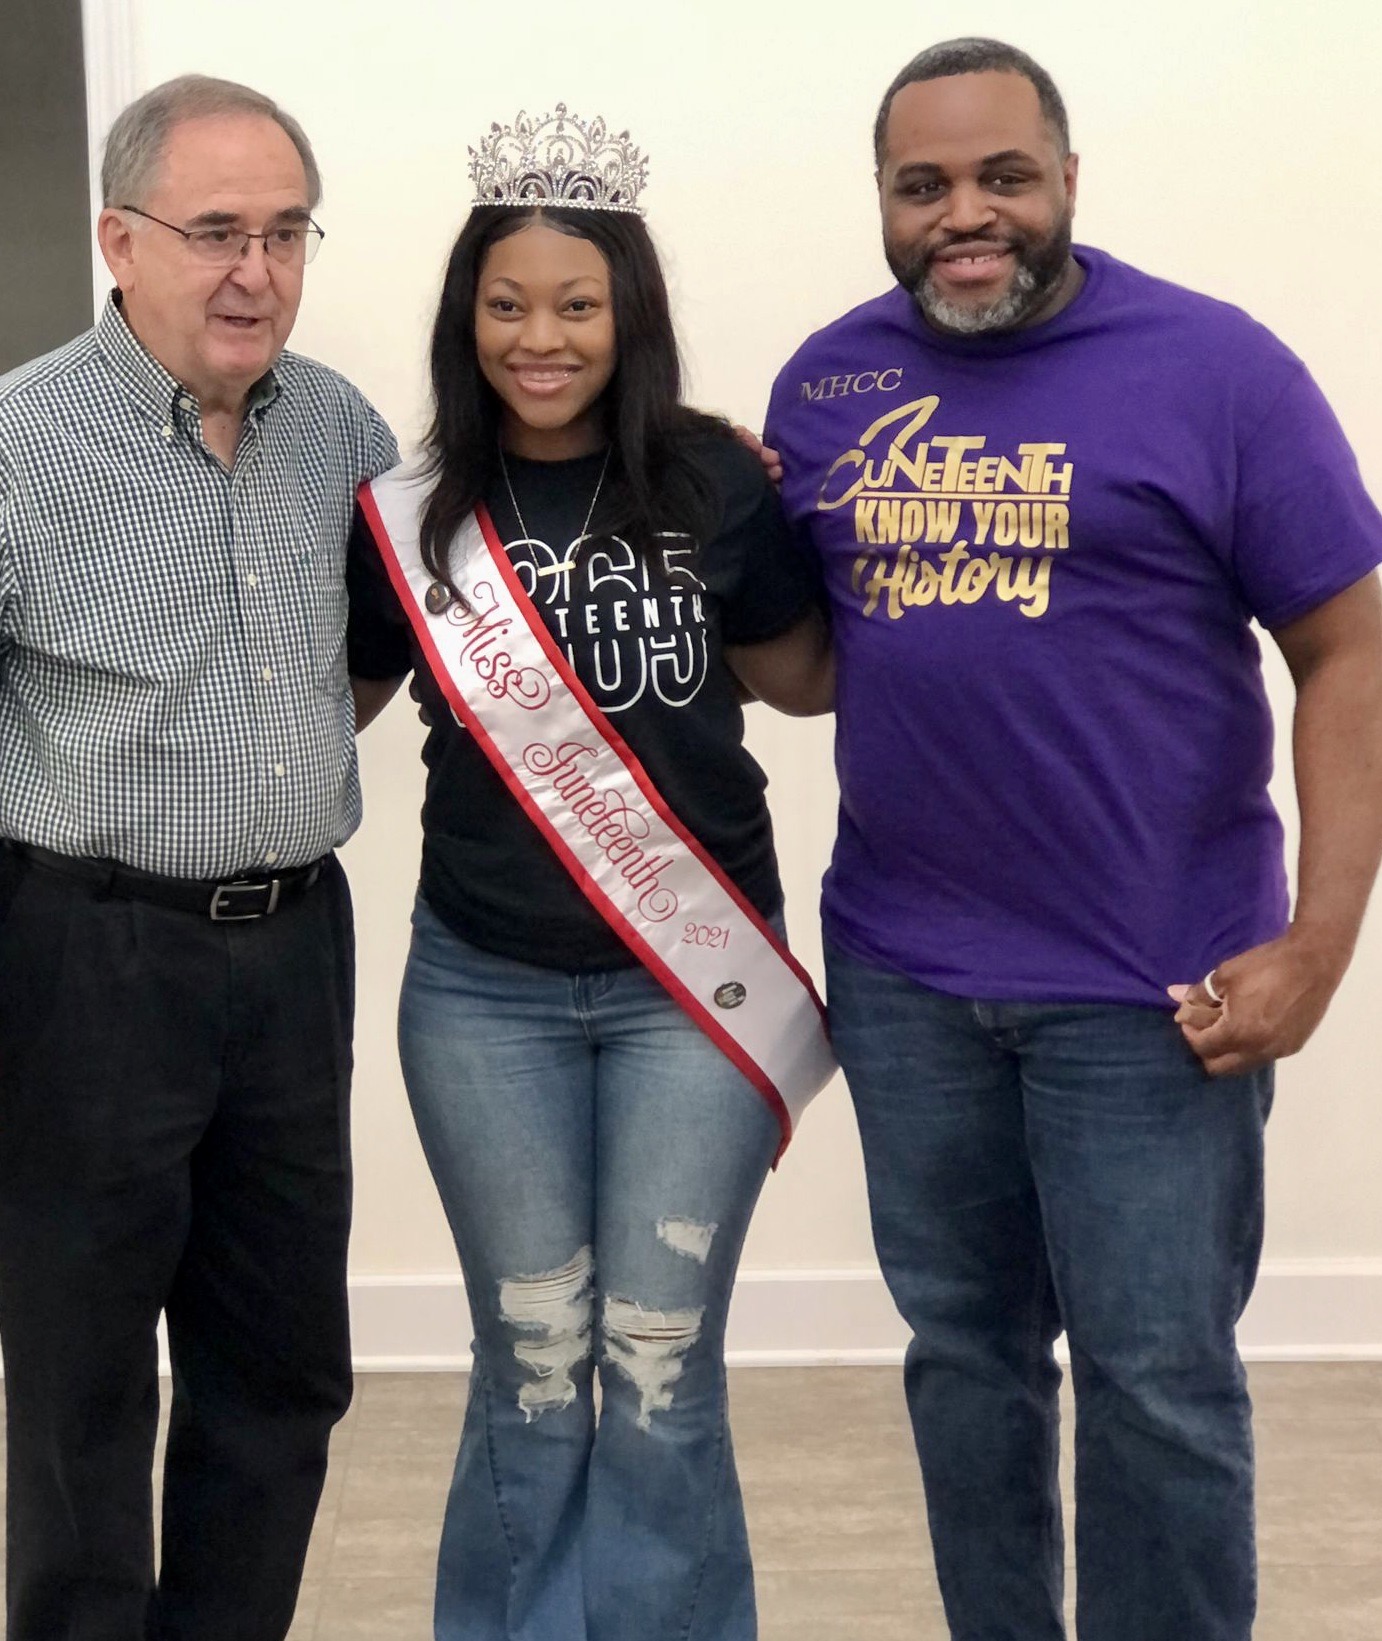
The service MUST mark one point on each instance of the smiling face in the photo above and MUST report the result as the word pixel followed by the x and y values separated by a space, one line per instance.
pixel 217 329
pixel 545 338
pixel 977 202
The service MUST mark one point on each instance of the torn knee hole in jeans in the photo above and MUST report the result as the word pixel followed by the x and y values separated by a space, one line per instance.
pixel 647 1346
pixel 552 1314
pixel 687 1236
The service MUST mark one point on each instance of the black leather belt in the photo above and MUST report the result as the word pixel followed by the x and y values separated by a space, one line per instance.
pixel 236 900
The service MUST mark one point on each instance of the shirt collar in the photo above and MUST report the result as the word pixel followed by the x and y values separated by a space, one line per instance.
pixel 148 382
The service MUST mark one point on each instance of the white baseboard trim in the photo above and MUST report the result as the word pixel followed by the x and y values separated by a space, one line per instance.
pixel 1303 1310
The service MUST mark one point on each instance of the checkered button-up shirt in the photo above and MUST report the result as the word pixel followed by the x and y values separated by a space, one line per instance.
pixel 172 635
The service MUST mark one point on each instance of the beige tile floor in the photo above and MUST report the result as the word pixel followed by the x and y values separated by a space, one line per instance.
pixel 835 1512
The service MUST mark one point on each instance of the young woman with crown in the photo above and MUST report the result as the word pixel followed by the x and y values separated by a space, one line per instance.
pixel 604 1038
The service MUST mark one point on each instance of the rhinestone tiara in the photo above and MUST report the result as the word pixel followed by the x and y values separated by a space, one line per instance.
pixel 559 159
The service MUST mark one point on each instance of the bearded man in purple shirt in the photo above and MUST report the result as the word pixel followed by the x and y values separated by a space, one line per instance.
pixel 1049 494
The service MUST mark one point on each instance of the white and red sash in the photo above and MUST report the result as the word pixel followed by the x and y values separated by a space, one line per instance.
pixel 652 882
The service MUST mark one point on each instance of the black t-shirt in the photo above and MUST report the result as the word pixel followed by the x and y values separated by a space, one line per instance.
pixel 645 635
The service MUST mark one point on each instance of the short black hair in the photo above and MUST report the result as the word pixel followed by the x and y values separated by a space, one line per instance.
pixel 976 56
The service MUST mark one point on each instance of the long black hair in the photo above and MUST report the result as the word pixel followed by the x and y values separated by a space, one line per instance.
pixel 652 482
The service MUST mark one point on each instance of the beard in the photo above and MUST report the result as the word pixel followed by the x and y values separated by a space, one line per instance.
pixel 1039 266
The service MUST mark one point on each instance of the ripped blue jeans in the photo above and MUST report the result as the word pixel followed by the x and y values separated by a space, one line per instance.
pixel 598 1160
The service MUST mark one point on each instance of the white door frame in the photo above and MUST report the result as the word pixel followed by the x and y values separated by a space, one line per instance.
pixel 112 50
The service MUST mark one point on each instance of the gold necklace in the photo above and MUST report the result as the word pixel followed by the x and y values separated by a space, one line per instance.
pixel 589 512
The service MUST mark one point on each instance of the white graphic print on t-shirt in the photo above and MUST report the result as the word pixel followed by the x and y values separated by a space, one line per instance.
pixel 626 625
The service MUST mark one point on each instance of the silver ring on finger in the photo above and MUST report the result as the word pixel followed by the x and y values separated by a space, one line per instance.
pixel 1215 995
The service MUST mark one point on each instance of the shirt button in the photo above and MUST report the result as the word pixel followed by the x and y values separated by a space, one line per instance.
pixel 167 432
pixel 271 855
pixel 267 675
pixel 278 769
pixel 251 580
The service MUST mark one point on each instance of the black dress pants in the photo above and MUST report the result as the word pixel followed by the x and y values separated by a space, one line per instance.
pixel 173 1138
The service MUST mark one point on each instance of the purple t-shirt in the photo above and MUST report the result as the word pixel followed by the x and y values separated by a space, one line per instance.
pixel 1042 552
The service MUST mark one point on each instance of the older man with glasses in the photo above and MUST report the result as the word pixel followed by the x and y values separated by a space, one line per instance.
pixel 176 767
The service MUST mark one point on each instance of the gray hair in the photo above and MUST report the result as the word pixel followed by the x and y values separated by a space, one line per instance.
pixel 139 138
pixel 975 55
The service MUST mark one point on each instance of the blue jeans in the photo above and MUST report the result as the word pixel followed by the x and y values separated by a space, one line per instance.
pixel 1039 1166
pixel 598 1159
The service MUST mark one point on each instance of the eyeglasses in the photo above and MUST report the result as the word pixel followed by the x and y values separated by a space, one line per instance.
pixel 221 247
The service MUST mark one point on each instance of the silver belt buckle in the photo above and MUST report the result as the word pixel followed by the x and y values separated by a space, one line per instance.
pixel 218 901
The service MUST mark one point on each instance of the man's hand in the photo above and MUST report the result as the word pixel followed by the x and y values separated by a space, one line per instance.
pixel 1273 998
pixel 772 462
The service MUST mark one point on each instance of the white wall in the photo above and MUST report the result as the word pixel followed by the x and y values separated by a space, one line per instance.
pixel 1231 144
